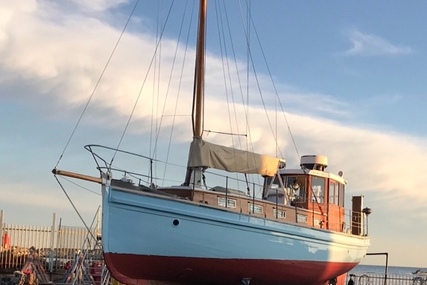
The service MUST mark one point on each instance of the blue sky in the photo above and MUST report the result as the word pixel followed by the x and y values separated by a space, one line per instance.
pixel 350 76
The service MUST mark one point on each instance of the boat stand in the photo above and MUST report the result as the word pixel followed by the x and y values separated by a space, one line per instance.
pixel 32 273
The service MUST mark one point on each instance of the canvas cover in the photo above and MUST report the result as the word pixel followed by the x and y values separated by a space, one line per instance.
pixel 205 154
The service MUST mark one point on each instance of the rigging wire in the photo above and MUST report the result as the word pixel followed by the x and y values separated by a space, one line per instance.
pixel 250 59
pixel 156 91
pixel 153 150
pixel 98 82
pixel 80 186
pixel 84 111
pixel 245 23
pixel 249 17
pixel 158 129
pixel 159 3
pixel 142 85
pixel 74 206
pixel 224 59
pixel 249 23
pixel 251 63
pixel 223 50
pixel 158 48
pixel 245 109
pixel 178 91
pixel 247 33
pixel 222 22
pixel 248 56
pixel 228 81
pixel 225 65
pixel 275 91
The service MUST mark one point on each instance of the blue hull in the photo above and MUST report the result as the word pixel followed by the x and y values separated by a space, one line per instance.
pixel 143 226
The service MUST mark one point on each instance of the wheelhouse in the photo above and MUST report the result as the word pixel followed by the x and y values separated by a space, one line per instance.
pixel 317 195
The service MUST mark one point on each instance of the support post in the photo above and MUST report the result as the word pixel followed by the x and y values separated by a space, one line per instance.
pixel 386 263
pixel 52 243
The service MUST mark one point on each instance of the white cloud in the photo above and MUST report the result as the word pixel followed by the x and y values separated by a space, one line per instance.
pixel 372 45
pixel 98 5
pixel 315 104
pixel 67 65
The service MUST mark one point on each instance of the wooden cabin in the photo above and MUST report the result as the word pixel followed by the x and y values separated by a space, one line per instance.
pixel 308 195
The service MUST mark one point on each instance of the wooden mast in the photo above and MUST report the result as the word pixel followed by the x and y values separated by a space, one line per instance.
pixel 199 75
pixel 198 90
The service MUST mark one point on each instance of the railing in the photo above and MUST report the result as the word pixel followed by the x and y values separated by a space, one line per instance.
pixel 349 222
pixel 381 279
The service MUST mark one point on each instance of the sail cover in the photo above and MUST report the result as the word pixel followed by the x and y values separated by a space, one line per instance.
pixel 205 154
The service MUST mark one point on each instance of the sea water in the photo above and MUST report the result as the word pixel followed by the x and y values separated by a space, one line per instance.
pixel 380 269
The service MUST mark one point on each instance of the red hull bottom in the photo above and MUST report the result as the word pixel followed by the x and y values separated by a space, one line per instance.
pixel 137 269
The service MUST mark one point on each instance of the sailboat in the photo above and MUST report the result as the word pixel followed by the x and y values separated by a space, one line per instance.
pixel 297 232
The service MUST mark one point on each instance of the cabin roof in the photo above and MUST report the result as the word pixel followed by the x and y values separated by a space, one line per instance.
pixel 318 173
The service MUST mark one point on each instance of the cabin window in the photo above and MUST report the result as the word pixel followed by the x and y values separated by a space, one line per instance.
pixel 341 195
pixel 231 203
pixel 333 192
pixel 272 190
pixel 318 189
pixel 279 214
pixel 302 218
pixel 257 209
pixel 275 194
pixel 295 188
pixel 336 196
pixel 271 182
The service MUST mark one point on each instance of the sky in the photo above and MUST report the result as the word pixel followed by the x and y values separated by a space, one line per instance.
pixel 350 77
